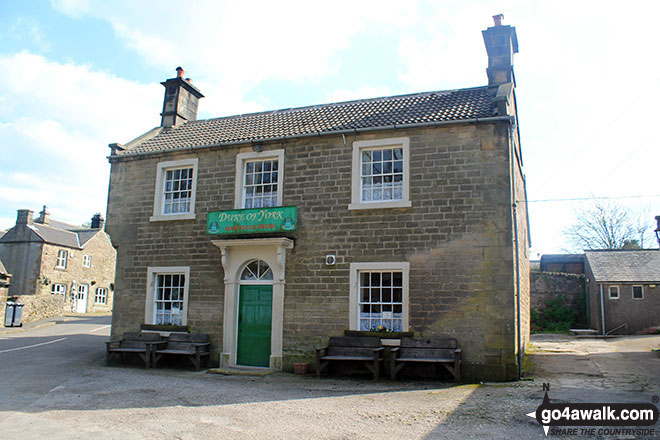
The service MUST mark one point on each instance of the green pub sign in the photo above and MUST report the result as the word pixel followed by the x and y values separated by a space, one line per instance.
pixel 252 221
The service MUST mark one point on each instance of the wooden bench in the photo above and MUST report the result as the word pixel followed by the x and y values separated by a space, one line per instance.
pixel 192 346
pixel 140 344
pixel 365 350
pixel 443 351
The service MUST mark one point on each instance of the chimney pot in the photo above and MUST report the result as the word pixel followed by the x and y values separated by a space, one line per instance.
pixel 24 217
pixel 181 100
pixel 501 44
pixel 97 221
pixel 44 216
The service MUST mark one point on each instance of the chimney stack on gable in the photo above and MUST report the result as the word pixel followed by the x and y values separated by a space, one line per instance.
pixel 24 217
pixel 501 43
pixel 44 216
pixel 181 100
pixel 97 221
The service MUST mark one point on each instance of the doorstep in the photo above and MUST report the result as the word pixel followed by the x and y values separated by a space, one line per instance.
pixel 241 371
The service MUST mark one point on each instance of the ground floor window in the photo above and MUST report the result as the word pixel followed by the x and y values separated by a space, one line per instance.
pixel 379 296
pixel 59 289
pixel 167 295
pixel 381 300
pixel 101 296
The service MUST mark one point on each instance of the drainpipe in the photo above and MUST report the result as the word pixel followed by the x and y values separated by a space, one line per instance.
pixel 602 312
pixel 517 251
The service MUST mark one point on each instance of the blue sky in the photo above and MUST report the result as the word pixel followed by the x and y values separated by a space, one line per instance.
pixel 80 74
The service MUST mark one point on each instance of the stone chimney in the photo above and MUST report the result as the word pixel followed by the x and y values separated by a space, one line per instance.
pixel 97 221
pixel 24 217
pixel 181 100
pixel 44 217
pixel 501 43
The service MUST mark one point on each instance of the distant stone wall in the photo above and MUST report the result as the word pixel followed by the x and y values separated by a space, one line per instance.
pixel 547 286
pixel 37 307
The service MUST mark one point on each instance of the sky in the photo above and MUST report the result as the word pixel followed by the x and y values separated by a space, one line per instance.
pixel 81 74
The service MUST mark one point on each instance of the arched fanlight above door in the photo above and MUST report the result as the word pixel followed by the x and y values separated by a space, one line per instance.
pixel 257 270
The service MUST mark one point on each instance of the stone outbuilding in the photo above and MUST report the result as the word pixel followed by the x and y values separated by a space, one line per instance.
pixel 273 231
pixel 58 267
pixel 623 288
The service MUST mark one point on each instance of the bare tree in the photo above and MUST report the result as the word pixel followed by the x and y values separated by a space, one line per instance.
pixel 607 225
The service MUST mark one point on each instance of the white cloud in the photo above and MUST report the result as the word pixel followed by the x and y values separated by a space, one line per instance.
pixel 588 83
pixel 55 125
pixel 231 47
pixel 28 29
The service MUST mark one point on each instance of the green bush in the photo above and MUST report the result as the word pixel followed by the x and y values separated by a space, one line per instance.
pixel 556 317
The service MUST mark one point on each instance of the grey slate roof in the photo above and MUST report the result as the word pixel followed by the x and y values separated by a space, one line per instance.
pixel 84 235
pixel 400 111
pixel 53 233
pixel 56 236
pixel 61 225
pixel 642 266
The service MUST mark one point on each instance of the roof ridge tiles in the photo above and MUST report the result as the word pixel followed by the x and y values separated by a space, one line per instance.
pixel 335 104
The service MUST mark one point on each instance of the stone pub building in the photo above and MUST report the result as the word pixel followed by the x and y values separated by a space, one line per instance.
pixel 273 231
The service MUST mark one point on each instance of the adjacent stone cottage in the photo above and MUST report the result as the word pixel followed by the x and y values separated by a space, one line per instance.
pixel 58 267
pixel 273 231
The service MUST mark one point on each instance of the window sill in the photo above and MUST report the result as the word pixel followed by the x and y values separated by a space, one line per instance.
pixel 380 205
pixel 166 218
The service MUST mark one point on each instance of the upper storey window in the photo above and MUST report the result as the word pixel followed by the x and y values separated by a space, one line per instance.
pixel 259 179
pixel 381 174
pixel 176 185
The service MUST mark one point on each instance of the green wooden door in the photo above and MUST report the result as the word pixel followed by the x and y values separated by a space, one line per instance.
pixel 255 312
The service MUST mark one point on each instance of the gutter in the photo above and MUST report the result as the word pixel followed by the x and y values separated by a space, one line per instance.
pixel 602 311
pixel 516 243
pixel 118 158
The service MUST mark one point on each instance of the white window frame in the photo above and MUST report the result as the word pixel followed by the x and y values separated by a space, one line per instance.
pixel 150 307
pixel 58 289
pixel 162 168
pixel 618 292
pixel 632 291
pixel 62 258
pixel 356 179
pixel 354 292
pixel 101 295
pixel 87 261
pixel 242 159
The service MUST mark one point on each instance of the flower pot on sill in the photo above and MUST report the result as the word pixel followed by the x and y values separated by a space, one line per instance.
pixel 301 367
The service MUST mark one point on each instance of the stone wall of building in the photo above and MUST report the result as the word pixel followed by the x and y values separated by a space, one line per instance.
pixel 40 306
pixel 101 274
pixel 23 261
pixel 547 286
pixel 457 237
